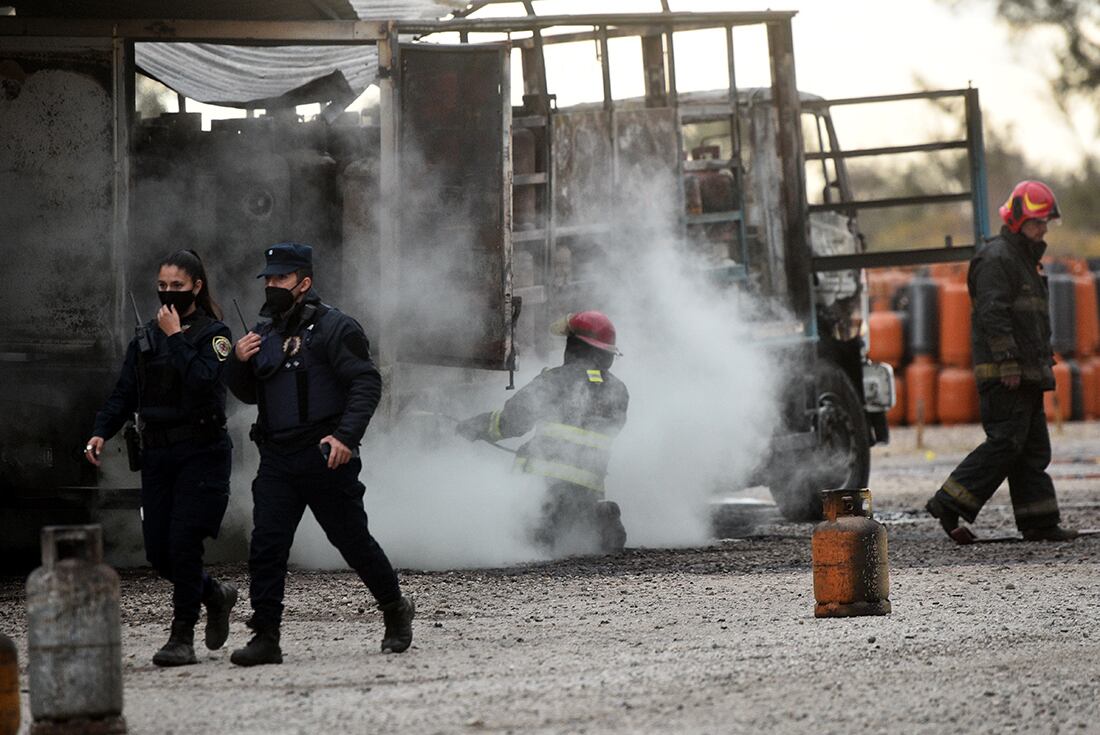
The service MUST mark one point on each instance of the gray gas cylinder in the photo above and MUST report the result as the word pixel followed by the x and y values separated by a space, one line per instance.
pixel 74 661
pixel 924 322
pixel 1063 313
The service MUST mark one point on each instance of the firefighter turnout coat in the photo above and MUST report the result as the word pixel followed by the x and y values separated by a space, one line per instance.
pixel 576 411
pixel 1010 328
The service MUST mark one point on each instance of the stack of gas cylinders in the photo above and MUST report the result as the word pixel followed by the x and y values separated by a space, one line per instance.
pixel 920 324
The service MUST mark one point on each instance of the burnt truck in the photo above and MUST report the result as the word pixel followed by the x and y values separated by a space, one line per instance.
pixel 523 197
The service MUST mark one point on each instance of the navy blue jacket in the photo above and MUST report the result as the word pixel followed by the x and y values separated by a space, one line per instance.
pixel 180 380
pixel 323 352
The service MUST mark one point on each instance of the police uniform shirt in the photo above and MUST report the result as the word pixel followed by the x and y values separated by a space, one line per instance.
pixel 313 376
pixel 177 382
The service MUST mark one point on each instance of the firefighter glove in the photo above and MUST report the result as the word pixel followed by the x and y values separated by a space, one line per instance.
pixel 471 428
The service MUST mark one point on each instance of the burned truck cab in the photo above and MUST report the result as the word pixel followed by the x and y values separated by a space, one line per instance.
pixel 452 206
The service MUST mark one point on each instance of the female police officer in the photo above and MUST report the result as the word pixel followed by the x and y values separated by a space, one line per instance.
pixel 172 379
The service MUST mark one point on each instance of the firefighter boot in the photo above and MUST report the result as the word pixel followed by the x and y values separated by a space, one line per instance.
pixel 180 648
pixel 219 603
pixel 948 518
pixel 1050 533
pixel 612 532
pixel 398 616
pixel 262 649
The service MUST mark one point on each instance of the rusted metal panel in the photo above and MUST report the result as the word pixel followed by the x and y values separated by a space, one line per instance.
pixel 59 249
pixel 612 172
pixel 645 23
pixel 56 186
pixel 455 206
pixel 591 179
pixel 582 166
pixel 792 170
pixel 648 162
pixel 653 63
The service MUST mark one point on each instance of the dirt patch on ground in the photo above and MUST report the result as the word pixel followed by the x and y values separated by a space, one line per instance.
pixel 989 638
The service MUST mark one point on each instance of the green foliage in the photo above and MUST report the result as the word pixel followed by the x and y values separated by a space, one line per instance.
pixel 1078 21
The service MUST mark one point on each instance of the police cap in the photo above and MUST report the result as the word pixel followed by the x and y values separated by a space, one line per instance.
pixel 287 257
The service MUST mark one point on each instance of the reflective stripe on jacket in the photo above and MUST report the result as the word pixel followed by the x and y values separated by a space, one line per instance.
pixel 567 453
pixel 1010 318
pixel 576 411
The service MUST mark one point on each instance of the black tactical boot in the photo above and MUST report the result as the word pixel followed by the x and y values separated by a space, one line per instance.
pixel 1050 533
pixel 948 518
pixel 262 649
pixel 180 648
pixel 218 603
pixel 612 532
pixel 398 616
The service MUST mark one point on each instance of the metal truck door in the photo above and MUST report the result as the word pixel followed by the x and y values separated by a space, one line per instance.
pixel 454 173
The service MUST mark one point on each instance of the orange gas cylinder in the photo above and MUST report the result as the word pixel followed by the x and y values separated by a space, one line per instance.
pixel 1083 403
pixel 887 337
pixel 851 571
pixel 9 687
pixel 957 396
pixel 1093 409
pixel 954 324
pixel 1088 320
pixel 896 415
pixel 883 287
pixel 1059 402
pixel 949 272
pixel 920 381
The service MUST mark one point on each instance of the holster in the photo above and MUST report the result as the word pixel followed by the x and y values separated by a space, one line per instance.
pixel 133 446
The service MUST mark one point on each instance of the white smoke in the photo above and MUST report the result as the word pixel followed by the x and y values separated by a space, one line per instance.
pixel 703 394
pixel 703 401
pixel 436 501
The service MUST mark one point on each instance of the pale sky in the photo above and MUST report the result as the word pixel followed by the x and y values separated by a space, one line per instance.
pixel 848 48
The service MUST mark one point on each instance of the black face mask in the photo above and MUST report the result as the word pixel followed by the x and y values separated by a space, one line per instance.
pixel 179 300
pixel 278 300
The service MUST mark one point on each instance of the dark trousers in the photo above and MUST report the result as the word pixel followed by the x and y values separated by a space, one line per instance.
pixel 287 483
pixel 575 519
pixel 1016 448
pixel 184 493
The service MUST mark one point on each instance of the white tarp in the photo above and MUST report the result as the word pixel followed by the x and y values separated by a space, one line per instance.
pixel 247 76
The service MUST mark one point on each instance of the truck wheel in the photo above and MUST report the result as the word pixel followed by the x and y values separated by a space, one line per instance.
pixel 842 457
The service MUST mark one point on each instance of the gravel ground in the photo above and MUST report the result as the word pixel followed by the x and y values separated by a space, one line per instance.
pixel 986 638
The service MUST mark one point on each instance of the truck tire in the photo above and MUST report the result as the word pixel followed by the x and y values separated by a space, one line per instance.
pixel 842 458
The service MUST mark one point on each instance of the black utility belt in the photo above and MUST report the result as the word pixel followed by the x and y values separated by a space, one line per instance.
pixel 297 440
pixel 158 437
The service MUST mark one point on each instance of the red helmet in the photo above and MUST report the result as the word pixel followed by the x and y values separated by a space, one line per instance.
pixel 591 327
pixel 1029 200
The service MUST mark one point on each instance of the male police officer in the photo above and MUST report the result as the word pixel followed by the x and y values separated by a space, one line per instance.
pixel 1010 332
pixel 576 409
pixel 309 370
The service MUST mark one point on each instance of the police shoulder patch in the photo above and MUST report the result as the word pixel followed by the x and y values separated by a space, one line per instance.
pixel 221 346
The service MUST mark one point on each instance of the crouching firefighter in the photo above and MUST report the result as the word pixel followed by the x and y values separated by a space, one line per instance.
pixel 172 379
pixel 310 372
pixel 576 410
